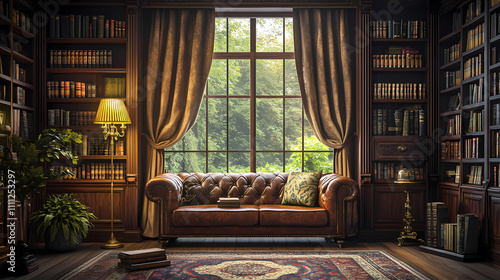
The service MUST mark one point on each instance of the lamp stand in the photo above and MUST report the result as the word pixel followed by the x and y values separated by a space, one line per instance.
pixel 111 131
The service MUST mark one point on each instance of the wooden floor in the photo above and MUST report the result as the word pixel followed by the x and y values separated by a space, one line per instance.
pixel 54 266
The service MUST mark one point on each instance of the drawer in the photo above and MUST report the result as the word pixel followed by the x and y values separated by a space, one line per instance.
pixel 399 150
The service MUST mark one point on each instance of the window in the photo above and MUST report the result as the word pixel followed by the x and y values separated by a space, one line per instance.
pixel 251 118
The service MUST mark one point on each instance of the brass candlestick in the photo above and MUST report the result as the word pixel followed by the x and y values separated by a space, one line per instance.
pixel 408 232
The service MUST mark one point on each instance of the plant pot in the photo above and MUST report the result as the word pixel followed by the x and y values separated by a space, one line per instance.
pixel 60 244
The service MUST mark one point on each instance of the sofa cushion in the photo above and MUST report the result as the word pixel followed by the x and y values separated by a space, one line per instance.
pixel 302 189
pixel 289 215
pixel 211 216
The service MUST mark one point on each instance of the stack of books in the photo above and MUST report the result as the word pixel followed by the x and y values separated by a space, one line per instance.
pixel 143 259
pixel 229 202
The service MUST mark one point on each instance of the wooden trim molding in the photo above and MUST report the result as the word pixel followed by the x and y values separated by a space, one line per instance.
pixel 249 3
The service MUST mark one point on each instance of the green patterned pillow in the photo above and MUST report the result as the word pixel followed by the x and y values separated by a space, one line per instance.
pixel 302 188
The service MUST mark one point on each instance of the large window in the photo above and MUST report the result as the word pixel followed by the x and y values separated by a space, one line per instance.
pixel 251 118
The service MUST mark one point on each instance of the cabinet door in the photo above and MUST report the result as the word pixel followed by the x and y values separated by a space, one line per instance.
pixel 450 196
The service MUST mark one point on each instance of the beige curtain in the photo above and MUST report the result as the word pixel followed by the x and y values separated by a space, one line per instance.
pixel 178 63
pixel 324 69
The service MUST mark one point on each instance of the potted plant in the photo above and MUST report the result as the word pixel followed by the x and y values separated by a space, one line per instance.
pixel 63 221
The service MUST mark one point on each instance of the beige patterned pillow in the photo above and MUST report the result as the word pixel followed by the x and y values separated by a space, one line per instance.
pixel 302 188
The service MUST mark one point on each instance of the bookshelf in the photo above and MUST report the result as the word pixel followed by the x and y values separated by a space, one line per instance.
pixel 85 47
pixel 18 92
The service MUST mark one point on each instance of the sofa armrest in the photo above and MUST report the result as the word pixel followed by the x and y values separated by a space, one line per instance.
pixel 165 189
pixel 339 195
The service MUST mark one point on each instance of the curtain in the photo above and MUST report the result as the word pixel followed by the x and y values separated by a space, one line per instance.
pixel 324 68
pixel 178 63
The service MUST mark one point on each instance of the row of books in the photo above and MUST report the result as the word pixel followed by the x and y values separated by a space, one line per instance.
pixel 93 171
pixel 114 87
pixel 22 123
pixel 495 24
pixel 83 26
pixel 472 149
pixel 389 171
pixel 496 84
pixel 397 60
pixel 20 95
pixel 71 89
pixel 476 92
pixel 399 91
pixel 454 102
pixel 98 147
pixel 451 78
pixel 61 117
pixel 475 176
pixel 81 58
pixel 494 55
pixel 495 144
pixel 454 126
pixel 452 53
pixel 473 10
pixel 19 72
pixel 456 21
pixel 143 259
pixel 450 150
pixel 3 92
pixel 403 122
pixel 396 29
pixel 495 114
pixel 496 176
pixel 475 121
pixel 473 67
pixel 22 20
pixel 475 37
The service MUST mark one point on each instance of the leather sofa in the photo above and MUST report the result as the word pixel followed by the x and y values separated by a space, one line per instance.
pixel 261 213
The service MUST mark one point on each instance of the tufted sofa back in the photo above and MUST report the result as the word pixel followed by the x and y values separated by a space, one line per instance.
pixel 250 188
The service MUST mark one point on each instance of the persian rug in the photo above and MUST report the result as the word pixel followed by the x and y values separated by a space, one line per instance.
pixel 256 266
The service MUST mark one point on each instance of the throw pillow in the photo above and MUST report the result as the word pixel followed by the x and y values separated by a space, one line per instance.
pixel 188 194
pixel 302 188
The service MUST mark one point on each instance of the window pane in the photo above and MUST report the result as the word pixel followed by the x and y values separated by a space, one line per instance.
pixel 269 124
pixel 318 161
pixel 291 82
pixel 217 162
pixel 239 77
pixel 289 35
pixel 195 139
pixel 269 162
pixel 311 143
pixel 185 162
pixel 269 35
pixel 239 162
pixel 239 124
pixel 293 124
pixel 220 35
pixel 217 79
pixel 239 34
pixel 269 74
pixel 293 162
pixel 217 124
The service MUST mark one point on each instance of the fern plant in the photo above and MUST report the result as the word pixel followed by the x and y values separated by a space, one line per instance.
pixel 62 212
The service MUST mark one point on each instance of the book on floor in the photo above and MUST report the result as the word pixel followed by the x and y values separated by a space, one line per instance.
pixel 146 265
pixel 144 253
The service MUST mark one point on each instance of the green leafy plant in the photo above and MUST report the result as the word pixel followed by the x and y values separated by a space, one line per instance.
pixel 62 212
pixel 26 159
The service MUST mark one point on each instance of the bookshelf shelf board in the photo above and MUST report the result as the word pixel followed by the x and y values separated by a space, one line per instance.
pixel 391 182
pixel 474 106
pixel 4 50
pixel 23 4
pixel 397 40
pixel 473 79
pixel 495 160
pixel 450 89
pixel 450 113
pixel 495 97
pixel 451 36
pixel 101 157
pixel 495 39
pixel 23 84
pixel 475 20
pixel 4 20
pixel 104 183
pixel 5 77
pixel 76 100
pixel 87 41
pixel 21 32
pixel 471 186
pixel 450 137
pixel 474 134
pixel 86 70
pixel 451 160
pixel 451 255
pixel 387 69
pixel 449 184
pixel 472 51
pixel 18 57
pixel 494 8
pixel 399 100
pixel 399 138
pixel 495 66
pixel 454 64
pixel 5 102
pixel 23 107
pixel 473 160
pixel 495 127
pixel 95 3
pixel 80 127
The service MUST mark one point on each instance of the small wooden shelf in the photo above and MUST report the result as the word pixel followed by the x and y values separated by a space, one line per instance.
pixel 473 160
pixel 473 79
pixel 492 9
pixel 495 39
pixel 473 51
pixel 451 255
pixel 474 106
pixel 86 70
pixel 475 20
pixel 399 100
pixel 23 4
pixel 77 100
pixel 495 66
pixel 451 36
pixel 495 160
pixel 495 97
pixel 455 63
pixel 21 32
pixel 449 184
pixel 5 77
pixel 4 50
pixel 23 84
pixel 495 127
pixel 474 134
pixel 450 137
pixel 398 40
pixel 387 69
pixel 450 113
pixel 22 107
pixel 4 20
pixel 450 160
pixel 87 41
pixel 450 89
pixel 21 58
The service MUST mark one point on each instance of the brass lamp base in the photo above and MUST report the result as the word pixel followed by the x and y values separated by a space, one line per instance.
pixel 112 243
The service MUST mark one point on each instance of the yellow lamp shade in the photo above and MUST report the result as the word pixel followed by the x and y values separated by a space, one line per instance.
pixel 112 111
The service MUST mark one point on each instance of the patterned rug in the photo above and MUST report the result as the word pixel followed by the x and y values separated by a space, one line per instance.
pixel 255 266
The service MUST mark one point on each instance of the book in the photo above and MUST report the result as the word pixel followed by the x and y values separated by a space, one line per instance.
pixel 144 260
pixel 146 265
pixel 143 253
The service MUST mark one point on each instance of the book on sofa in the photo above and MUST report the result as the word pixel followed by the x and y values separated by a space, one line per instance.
pixel 228 202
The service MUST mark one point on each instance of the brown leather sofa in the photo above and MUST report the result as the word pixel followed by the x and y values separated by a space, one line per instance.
pixel 261 213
